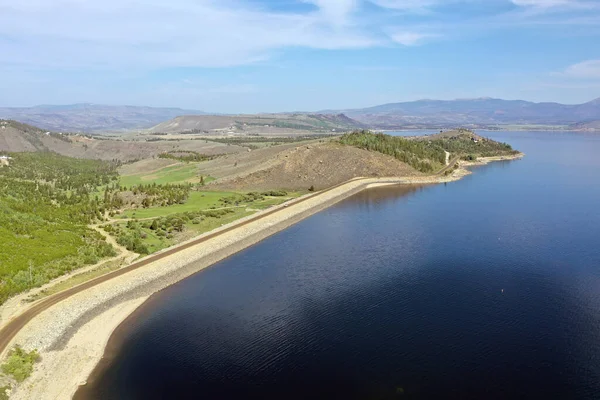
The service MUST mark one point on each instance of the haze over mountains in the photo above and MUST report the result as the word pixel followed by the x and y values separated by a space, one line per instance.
pixel 92 117
pixel 481 112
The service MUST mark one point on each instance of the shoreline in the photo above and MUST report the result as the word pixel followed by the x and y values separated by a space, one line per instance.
pixel 72 336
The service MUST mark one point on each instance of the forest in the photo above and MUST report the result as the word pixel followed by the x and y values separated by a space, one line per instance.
pixel 428 154
pixel 46 203
pixel 423 156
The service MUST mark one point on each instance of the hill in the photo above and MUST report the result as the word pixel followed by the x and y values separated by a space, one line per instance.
pixel 586 126
pixel 317 163
pixel 260 123
pixel 473 112
pixel 19 137
pixel 92 117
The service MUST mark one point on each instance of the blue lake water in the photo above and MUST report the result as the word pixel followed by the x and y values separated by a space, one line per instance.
pixel 485 288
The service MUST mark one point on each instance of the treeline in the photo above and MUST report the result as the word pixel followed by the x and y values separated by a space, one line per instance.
pixel 186 156
pixel 250 197
pixel 423 156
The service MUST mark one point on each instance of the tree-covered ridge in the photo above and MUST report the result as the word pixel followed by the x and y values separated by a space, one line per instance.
pixel 470 146
pixel 423 156
pixel 428 154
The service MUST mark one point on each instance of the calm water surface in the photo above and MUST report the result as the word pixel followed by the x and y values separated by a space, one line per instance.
pixel 486 288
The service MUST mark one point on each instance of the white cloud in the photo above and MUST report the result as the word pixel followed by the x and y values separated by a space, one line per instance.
pixel 546 5
pixel 542 3
pixel 411 38
pixel 584 70
pixel 413 5
pixel 206 33
pixel 150 34
pixel 337 11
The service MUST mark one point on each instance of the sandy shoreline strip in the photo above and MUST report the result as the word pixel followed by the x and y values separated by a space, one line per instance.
pixel 71 336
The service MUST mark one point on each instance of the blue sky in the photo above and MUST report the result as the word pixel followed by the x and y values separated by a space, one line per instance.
pixel 284 55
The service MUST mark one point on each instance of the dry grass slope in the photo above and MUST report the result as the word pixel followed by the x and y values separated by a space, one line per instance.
pixel 17 137
pixel 321 165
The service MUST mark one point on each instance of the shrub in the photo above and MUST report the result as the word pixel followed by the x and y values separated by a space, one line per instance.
pixel 275 193
pixel 3 394
pixel 20 363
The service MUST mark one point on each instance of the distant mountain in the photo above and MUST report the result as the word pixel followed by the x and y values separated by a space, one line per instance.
pixel 93 117
pixel 482 111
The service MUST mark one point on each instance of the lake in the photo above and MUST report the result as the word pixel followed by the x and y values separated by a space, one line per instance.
pixel 484 288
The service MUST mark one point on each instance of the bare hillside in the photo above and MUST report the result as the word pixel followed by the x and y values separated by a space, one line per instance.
pixel 17 137
pixel 298 167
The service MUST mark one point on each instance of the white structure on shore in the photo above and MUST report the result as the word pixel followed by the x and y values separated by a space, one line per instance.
pixel 4 160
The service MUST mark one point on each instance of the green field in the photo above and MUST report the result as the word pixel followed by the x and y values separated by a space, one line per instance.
pixel 178 173
pixel 196 201
pixel 152 240
pixel 149 230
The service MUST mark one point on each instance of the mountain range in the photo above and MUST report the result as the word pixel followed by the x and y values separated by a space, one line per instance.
pixel 92 117
pixel 476 113
pixel 471 112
